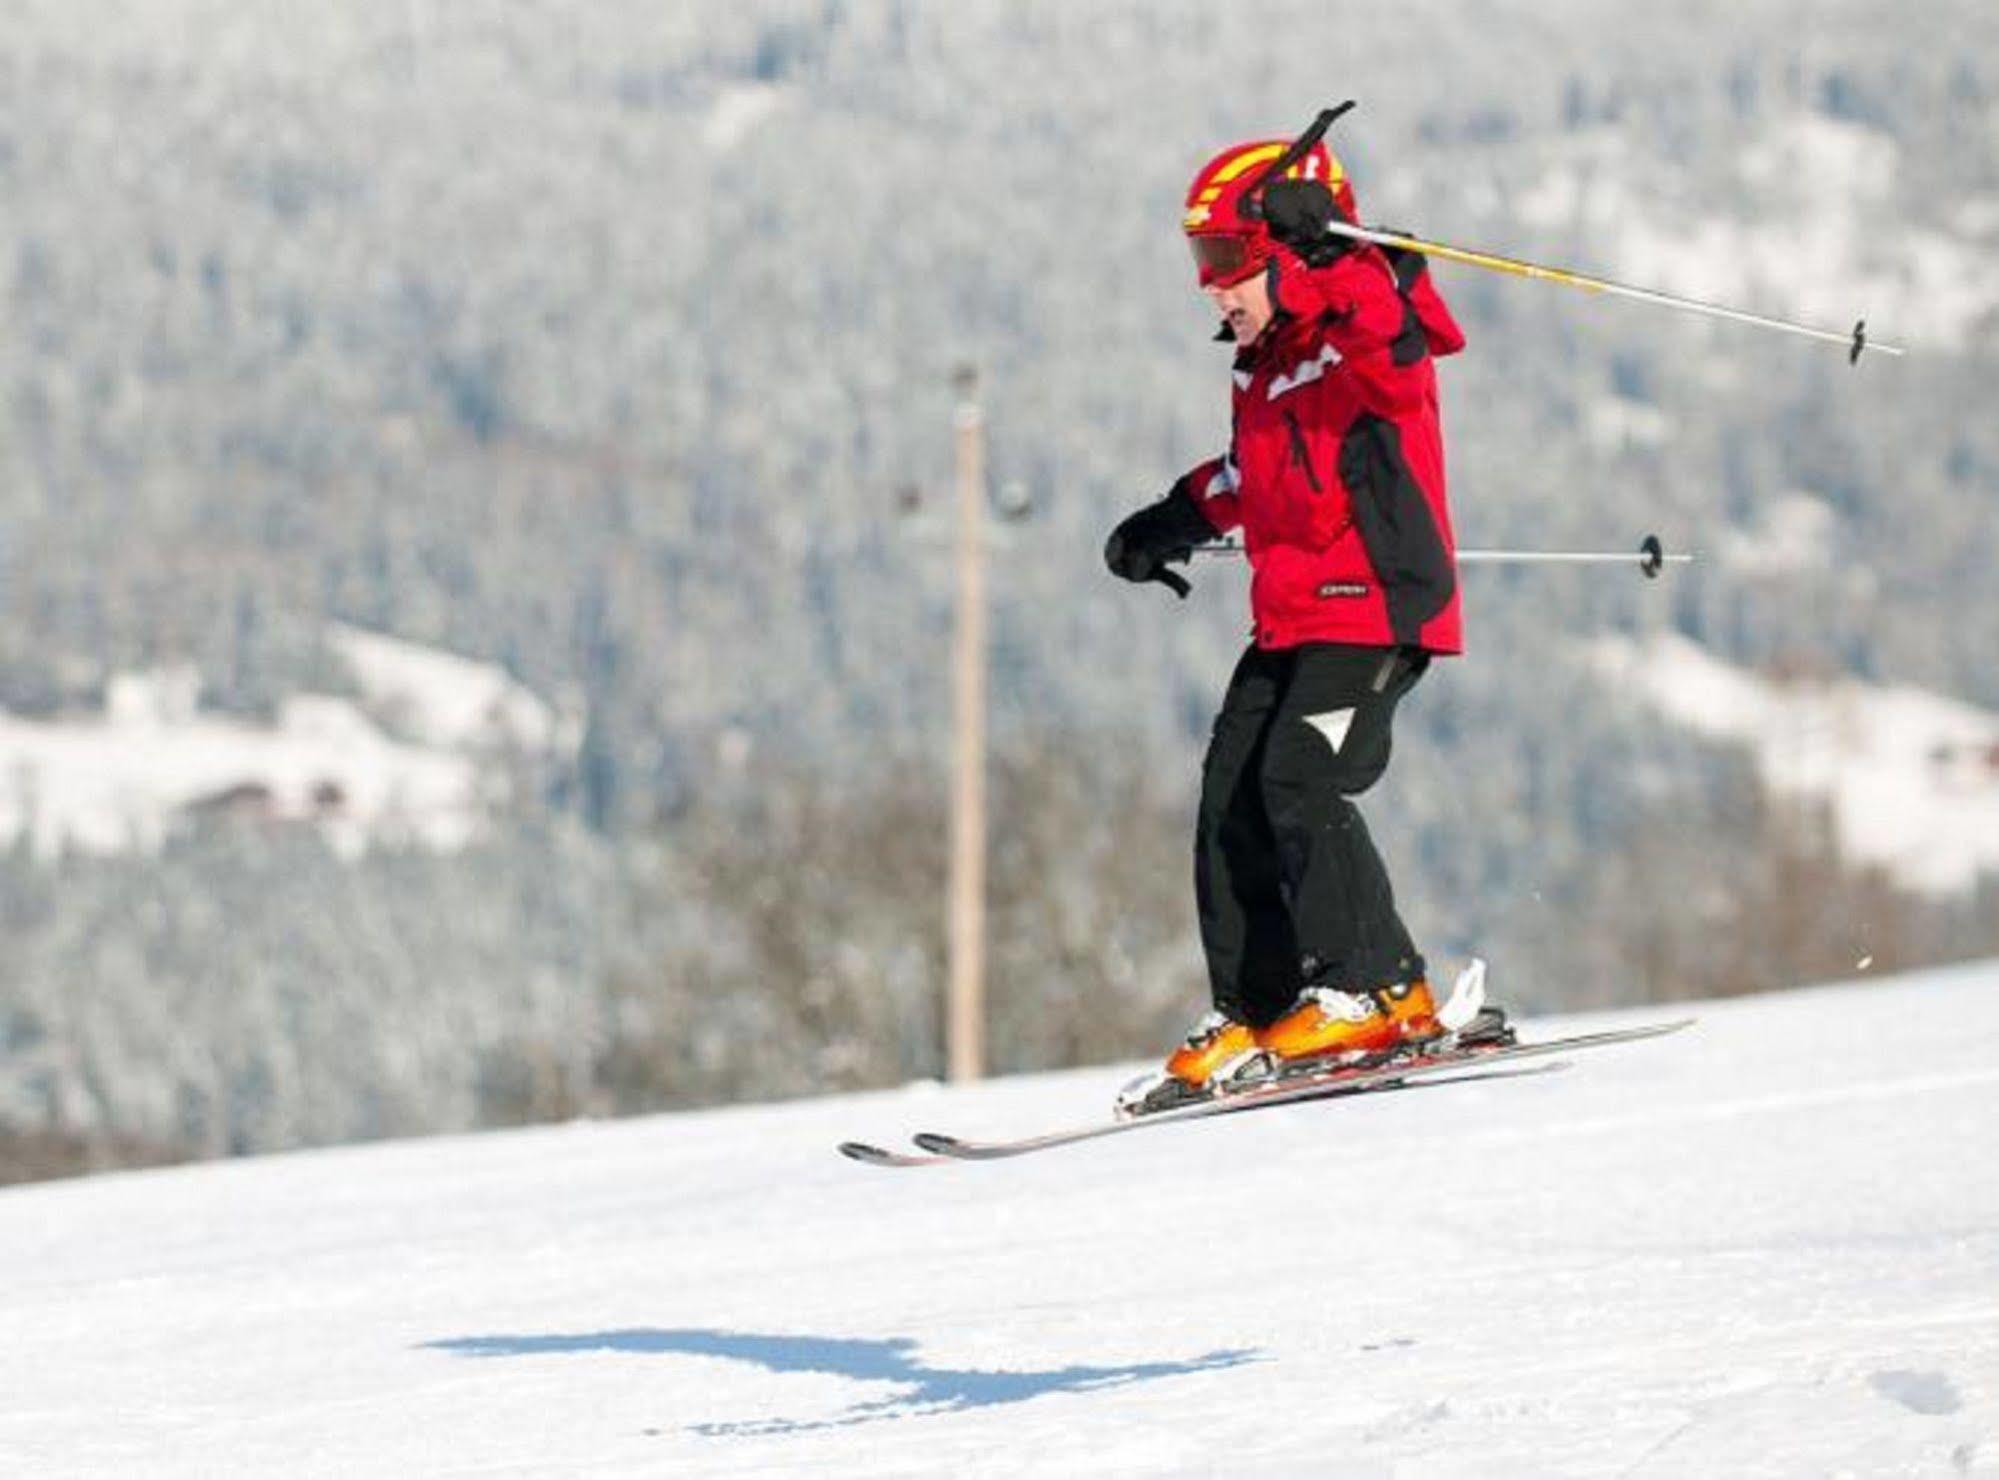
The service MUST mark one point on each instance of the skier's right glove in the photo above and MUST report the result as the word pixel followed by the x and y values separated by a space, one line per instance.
pixel 1142 546
pixel 1298 212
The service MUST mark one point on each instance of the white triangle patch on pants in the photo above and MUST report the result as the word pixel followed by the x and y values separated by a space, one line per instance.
pixel 1333 724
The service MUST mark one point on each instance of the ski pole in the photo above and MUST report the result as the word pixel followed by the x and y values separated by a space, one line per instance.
pixel 1855 341
pixel 1650 556
pixel 1300 147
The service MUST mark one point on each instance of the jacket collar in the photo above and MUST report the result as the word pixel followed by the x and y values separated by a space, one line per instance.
pixel 1283 331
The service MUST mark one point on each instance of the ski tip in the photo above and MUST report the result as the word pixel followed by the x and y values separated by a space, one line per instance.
pixel 861 1151
pixel 877 1156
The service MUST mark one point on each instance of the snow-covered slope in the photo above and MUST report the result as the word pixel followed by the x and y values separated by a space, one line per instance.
pixel 1767 1246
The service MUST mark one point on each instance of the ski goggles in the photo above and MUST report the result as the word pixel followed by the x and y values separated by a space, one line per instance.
pixel 1223 259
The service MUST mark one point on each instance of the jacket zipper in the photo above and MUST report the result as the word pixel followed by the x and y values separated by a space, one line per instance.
pixel 1300 453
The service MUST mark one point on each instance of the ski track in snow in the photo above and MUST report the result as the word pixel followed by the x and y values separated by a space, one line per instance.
pixel 1768 1246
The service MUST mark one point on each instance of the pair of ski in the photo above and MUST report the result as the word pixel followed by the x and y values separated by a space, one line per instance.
pixel 1452 1063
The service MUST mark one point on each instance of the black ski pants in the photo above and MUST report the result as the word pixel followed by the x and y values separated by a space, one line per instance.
pixel 1291 890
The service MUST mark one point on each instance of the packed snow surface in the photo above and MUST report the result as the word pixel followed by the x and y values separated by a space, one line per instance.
pixel 1766 1246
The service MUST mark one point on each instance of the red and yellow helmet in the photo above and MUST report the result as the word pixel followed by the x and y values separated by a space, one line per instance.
pixel 1228 235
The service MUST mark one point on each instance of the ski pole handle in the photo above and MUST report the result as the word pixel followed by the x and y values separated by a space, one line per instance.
pixel 1300 147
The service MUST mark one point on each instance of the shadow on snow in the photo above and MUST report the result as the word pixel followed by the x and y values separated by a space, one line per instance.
pixel 927 1390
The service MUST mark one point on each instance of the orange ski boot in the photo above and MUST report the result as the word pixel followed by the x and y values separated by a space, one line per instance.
pixel 1216 1049
pixel 1412 1009
pixel 1330 1027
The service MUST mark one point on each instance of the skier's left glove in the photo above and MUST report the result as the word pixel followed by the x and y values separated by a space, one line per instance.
pixel 1298 212
pixel 1141 547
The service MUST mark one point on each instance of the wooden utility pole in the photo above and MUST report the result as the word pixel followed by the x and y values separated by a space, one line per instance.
pixel 965 1016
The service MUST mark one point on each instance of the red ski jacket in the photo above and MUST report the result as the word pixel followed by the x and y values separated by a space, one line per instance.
pixel 1335 471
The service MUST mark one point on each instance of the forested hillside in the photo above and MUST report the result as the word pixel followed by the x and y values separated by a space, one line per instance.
pixel 606 345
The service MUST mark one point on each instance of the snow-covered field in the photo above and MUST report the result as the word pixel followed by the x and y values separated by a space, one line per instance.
pixel 1912 777
pixel 408 763
pixel 1766 1246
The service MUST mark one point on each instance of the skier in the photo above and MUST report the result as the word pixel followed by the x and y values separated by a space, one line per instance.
pixel 1335 476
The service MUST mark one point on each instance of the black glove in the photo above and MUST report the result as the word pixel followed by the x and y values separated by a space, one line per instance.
pixel 1140 548
pixel 1298 212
